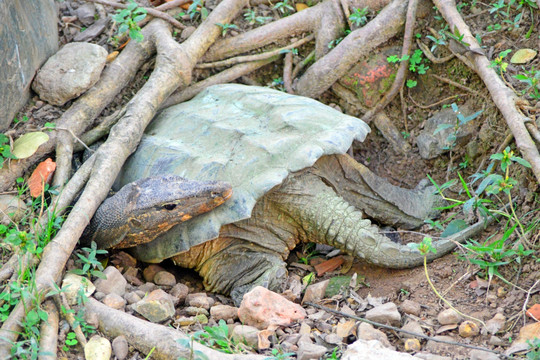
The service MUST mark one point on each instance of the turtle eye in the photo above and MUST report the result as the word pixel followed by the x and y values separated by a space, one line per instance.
pixel 169 207
pixel 214 194
pixel 135 223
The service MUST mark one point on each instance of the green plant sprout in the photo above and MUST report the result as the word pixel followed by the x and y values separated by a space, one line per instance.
pixel 226 27
pixel 5 150
pixel 425 247
pixel 91 266
pixel 127 20
pixel 284 7
pixel 359 16
pixel 197 9
pixel 532 79
pixel 251 16
pixel 461 120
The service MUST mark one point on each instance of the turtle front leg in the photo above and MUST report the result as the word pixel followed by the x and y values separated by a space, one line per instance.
pixel 233 266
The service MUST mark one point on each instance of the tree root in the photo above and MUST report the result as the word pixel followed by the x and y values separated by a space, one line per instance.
pixel 173 69
pixel 49 332
pixel 145 336
pixel 502 96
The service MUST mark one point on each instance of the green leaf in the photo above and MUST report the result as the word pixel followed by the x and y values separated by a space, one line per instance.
pixel 454 227
pixel 27 145
pixel 442 127
pixel 521 161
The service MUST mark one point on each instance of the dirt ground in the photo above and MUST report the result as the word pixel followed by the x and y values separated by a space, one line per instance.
pixel 461 283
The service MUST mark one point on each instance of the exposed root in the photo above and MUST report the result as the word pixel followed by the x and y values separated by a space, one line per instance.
pixel 49 332
pixel 502 96
pixel 287 73
pixel 145 336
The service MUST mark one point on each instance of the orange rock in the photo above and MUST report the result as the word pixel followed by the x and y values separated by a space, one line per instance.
pixel 42 175
pixel 534 312
pixel 301 6
pixel 329 265
pixel 262 308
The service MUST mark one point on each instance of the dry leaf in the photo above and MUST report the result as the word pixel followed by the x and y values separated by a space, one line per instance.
pixel 41 175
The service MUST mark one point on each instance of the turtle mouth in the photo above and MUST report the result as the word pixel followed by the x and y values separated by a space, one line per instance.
pixel 220 198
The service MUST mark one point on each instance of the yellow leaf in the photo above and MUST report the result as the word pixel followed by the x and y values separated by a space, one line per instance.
pixel 27 145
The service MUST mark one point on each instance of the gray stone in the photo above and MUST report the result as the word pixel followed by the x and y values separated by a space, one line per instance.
pixel 192 311
pixel 308 351
pixel 448 316
pixel 333 339
pixel 120 347
pixel 164 278
pixel 86 13
pixel 12 208
pixel 439 347
pixel 70 72
pixel 372 350
pixel 246 334
pixel 224 312
pixel 97 348
pixel 385 314
pixel 496 323
pixel 315 292
pixel 29 35
pixel 432 145
pixel 72 284
pixel 156 307
pixel 412 326
pixel 368 332
pixel 92 31
pixel 410 307
pixel 427 356
pixel 180 292
pixel 114 283
pixel 198 300
pixel 114 301
pixel 482 355
pixel 132 297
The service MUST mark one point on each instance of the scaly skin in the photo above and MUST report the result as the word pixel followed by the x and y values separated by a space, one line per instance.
pixel 146 208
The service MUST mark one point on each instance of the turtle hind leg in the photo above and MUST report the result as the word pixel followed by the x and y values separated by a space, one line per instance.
pixel 237 267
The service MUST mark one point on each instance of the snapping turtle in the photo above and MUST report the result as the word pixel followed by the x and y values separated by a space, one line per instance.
pixel 283 156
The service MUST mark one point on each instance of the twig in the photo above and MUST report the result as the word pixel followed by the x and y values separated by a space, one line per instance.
pixel 456 84
pixel 247 58
pixel 524 308
pixel 302 64
pixel 403 66
pixel 435 103
pixel 422 336
pixel 48 341
pixel 287 73
pixel 61 302
pixel 430 55
pixel 151 11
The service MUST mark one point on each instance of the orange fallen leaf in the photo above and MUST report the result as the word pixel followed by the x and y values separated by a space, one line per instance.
pixel 41 175
pixel 112 56
pixel 534 312
pixel 186 6
pixel 301 6
pixel 329 265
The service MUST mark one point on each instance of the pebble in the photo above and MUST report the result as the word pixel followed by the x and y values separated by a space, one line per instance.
pixel 147 288
pixel 496 323
pixel 412 345
pixel 468 329
pixel 372 350
pixel 199 300
pixel 164 278
pixel 97 348
pixel 156 307
pixel 72 284
pixel 261 308
pixel 410 307
pixel 310 351
pixel 305 329
pixel 114 301
pixel 412 326
pixel 495 341
pixel 225 312
pixel 150 271
pixel 482 355
pixel 438 347
pixel 315 292
pixel 114 282
pixel 246 334
pixel 193 311
pixel 385 314
pixel 132 298
pixel 448 316
pixel 368 332
pixel 333 339
pixel 180 291
pixel 120 347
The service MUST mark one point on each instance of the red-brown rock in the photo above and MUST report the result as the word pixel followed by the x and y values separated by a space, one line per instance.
pixel 261 308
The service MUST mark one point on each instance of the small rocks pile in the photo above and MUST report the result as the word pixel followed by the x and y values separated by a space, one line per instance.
pixel 266 320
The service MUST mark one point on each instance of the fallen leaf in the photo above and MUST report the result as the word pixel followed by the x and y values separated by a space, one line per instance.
pixel 523 56
pixel 27 145
pixel 186 6
pixel 112 56
pixel 534 312
pixel 446 328
pixel 301 6
pixel 329 265
pixel 41 175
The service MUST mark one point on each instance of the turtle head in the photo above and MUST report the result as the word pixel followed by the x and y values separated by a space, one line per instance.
pixel 146 208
